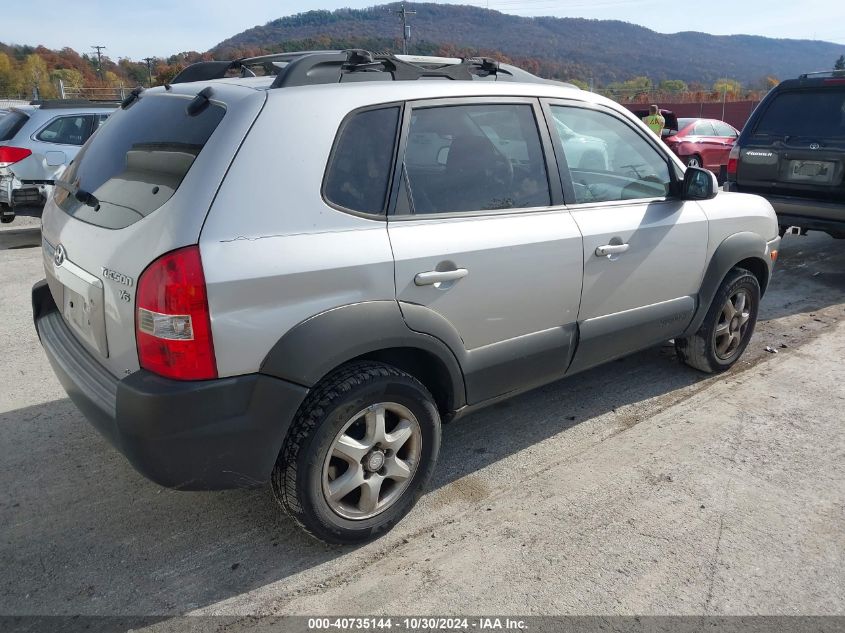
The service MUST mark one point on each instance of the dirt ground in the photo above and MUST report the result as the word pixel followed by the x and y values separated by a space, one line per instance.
pixel 640 487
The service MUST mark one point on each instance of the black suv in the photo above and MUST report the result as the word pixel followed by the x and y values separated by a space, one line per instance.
pixel 792 152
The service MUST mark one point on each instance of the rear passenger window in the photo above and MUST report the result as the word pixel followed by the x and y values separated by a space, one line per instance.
pixel 607 159
pixel 360 166
pixel 67 130
pixel 475 157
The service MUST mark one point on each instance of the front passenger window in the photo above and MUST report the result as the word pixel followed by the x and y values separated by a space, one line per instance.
pixel 607 160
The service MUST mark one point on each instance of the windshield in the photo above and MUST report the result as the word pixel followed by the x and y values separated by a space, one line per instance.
pixel 136 161
pixel 11 125
pixel 805 113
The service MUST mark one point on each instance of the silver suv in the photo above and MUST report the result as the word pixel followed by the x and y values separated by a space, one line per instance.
pixel 37 143
pixel 297 277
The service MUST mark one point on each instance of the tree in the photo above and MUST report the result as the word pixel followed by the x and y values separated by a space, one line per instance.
pixel 70 77
pixel 727 87
pixel 840 63
pixel 36 78
pixel 8 84
pixel 672 85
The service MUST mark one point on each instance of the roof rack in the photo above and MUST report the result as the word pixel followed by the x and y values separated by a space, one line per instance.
pixel 321 67
pixel 822 74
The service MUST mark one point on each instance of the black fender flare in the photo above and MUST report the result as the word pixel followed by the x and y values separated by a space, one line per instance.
pixel 316 346
pixel 733 249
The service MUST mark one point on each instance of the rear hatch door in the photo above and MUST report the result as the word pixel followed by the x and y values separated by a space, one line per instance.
pixel 797 146
pixel 140 187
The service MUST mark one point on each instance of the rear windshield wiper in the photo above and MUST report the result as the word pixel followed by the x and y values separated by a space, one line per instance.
pixel 85 197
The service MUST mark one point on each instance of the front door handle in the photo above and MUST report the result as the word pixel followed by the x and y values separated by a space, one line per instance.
pixel 611 249
pixel 439 276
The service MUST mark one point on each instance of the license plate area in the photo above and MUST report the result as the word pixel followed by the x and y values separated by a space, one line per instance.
pixel 79 296
pixel 814 171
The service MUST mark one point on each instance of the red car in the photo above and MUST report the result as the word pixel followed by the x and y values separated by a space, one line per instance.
pixel 703 143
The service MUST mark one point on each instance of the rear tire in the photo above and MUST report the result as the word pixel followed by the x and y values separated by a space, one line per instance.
pixel 336 443
pixel 728 326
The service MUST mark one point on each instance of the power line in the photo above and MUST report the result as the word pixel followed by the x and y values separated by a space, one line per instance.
pixel 99 59
pixel 149 61
pixel 406 28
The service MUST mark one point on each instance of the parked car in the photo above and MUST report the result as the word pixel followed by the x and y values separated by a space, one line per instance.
pixel 792 152
pixel 703 143
pixel 37 142
pixel 582 151
pixel 297 277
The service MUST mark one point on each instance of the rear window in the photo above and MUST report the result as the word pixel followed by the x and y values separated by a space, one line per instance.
pixel 11 124
pixel 135 164
pixel 806 113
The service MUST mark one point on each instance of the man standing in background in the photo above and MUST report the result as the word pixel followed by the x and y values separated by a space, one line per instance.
pixel 654 120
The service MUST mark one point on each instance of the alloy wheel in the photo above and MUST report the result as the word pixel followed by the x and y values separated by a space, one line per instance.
pixel 372 460
pixel 733 324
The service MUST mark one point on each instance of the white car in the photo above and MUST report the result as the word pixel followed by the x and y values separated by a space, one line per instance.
pixel 37 143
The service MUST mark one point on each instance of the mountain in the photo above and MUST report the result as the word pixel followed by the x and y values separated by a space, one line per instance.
pixel 606 50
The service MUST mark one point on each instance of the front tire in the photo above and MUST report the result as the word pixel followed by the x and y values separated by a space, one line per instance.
pixel 358 454
pixel 728 326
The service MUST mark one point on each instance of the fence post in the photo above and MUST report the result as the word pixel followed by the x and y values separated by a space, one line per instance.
pixel 122 93
pixel 62 89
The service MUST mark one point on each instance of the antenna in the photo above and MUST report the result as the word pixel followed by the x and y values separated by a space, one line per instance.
pixel 406 28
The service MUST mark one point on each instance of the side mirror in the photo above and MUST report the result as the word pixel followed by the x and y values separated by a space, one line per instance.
pixel 699 184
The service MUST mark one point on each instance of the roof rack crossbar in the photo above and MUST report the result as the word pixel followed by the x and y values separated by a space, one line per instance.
pixel 208 70
pixel 323 67
pixel 823 73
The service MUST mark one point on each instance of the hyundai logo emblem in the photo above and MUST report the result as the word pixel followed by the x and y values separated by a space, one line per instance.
pixel 814 146
pixel 59 255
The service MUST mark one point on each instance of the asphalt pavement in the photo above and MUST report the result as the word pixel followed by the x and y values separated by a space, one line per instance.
pixel 639 487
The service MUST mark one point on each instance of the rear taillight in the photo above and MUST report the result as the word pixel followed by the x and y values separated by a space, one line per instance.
pixel 733 162
pixel 12 155
pixel 172 322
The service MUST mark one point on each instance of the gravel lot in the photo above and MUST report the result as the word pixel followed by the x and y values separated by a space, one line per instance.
pixel 641 487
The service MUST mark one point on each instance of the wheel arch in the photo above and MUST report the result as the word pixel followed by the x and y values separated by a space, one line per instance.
pixel 372 330
pixel 746 250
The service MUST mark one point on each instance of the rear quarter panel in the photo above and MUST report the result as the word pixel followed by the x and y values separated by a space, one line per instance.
pixel 274 253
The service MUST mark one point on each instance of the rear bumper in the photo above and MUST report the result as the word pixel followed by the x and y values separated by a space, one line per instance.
pixel 15 193
pixel 202 435
pixel 804 212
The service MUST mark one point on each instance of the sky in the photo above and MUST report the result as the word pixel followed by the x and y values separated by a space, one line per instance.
pixel 159 28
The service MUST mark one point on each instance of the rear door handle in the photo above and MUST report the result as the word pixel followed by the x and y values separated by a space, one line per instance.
pixel 611 249
pixel 439 276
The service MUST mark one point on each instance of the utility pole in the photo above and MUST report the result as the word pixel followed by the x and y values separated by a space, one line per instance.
pixel 99 59
pixel 406 28
pixel 149 61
